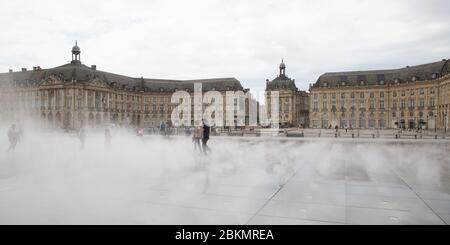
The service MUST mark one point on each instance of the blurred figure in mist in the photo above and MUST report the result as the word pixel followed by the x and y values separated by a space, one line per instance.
pixel 205 138
pixel 187 131
pixel 13 136
pixel 20 132
pixel 197 136
pixel 162 128
pixel 107 138
pixel 82 136
pixel 140 132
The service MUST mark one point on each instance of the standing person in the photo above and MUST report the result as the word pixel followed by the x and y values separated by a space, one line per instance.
pixel 82 136
pixel 13 137
pixel 197 136
pixel 163 128
pixel 107 138
pixel 206 131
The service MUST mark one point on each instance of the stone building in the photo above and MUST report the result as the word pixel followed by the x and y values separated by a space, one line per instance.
pixel 293 103
pixel 410 97
pixel 74 94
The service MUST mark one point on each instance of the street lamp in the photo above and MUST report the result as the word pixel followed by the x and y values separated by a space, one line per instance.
pixel 445 123
pixel 435 124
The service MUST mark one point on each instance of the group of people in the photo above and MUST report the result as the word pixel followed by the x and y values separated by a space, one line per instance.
pixel 201 133
pixel 82 137
pixel 15 134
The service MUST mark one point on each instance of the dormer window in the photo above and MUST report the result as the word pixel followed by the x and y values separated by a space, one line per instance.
pixel 414 78
pixel 343 83
pixel 361 83
pixel 213 89
pixel 325 84
pixel 161 90
pixel 434 76
pixel 396 81
pixel 381 82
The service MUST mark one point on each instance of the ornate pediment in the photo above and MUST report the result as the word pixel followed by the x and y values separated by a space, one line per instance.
pixel 96 82
pixel 51 81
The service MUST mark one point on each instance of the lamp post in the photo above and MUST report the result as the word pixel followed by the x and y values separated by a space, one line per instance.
pixel 435 123
pixel 427 122
pixel 445 123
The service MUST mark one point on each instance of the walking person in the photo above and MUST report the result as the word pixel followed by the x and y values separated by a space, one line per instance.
pixel 107 138
pixel 205 138
pixel 13 136
pixel 197 136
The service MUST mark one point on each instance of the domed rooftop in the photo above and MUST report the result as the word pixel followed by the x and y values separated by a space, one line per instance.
pixel 76 49
pixel 282 65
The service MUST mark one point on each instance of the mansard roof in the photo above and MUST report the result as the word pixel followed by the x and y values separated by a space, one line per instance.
pixel 423 72
pixel 82 73
pixel 281 82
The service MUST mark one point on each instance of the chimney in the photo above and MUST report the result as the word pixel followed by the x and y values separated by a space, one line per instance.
pixel 93 67
pixel 10 70
pixel 24 69
pixel 34 68
pixel 39 68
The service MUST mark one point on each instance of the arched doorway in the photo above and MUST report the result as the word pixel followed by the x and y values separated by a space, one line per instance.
pixel 91 119
pixel 81 120
pixel 50 120
pixel 58 120
pixel 67 120
pixel 98 119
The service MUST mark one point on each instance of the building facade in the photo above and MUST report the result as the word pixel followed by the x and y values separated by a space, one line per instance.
pixel 74 95
pixel 411 97
pixel 293 103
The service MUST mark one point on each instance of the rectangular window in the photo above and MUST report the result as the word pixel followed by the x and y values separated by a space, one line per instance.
pixel 381 94
pixel 381 124
pixel 362 104
pixel 422 103
pixel 362 123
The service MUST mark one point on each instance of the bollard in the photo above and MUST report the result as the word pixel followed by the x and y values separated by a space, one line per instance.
pixel 396 136
pixel 335 135
pixel 319 135
pixel 415 136
pixel 435 137
pixel 353 135
pixel 373 136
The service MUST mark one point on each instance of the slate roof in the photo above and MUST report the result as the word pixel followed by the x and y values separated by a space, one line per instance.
pixel 420 72
pixel 281 82
pixel 82 73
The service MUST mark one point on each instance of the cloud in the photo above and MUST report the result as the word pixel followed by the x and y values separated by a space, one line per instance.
pixel 218 38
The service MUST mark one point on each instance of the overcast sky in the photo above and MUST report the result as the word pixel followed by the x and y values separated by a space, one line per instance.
pixel 224 38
